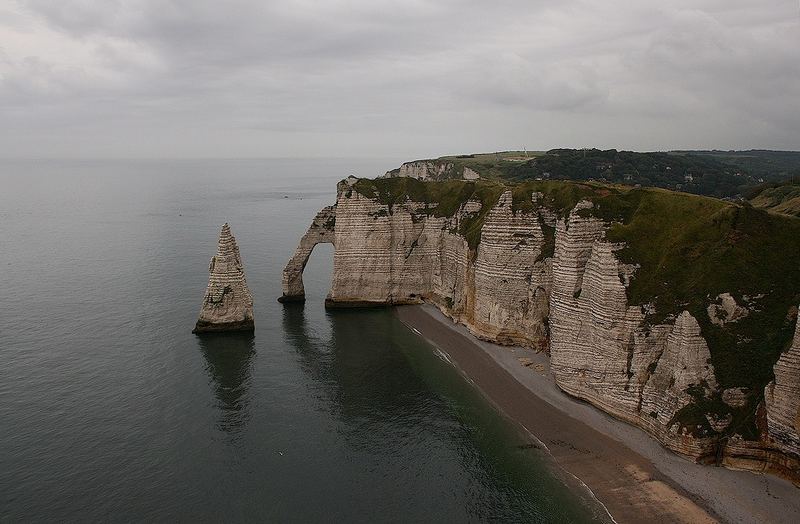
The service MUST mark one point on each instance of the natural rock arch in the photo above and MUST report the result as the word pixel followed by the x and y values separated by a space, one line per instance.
pixel 321 231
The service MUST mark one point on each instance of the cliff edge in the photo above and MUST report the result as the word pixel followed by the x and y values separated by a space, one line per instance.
pixel 673 312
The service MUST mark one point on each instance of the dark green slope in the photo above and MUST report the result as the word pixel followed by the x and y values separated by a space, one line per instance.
pixel 720 174
pixel 779 197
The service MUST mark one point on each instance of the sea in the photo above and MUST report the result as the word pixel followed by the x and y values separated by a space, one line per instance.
pixel 111 410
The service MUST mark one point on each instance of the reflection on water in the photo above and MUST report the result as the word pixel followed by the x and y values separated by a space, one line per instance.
pixel 359 362
pixel 296 327
pixel 228 363
pixel 402 409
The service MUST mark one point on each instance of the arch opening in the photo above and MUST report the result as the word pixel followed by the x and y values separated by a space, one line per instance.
pixel 318 273
pixel 321 231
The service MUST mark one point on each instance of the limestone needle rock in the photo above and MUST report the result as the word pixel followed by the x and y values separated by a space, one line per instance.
pixel 228 304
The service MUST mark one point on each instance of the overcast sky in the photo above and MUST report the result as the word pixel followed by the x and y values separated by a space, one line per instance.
pixel 398 78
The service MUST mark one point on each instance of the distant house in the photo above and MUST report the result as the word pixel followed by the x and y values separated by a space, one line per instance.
pixel 688 179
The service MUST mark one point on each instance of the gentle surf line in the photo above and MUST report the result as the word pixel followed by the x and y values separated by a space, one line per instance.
pixel 631 475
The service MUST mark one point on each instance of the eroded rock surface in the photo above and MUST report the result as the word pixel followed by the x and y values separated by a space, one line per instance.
pixel 320 231
pixel 549 279
pixel 422 170
pixel 228 304
pixel 512 279
pixel 601 349
pixel 782 398
pixel 433 170
pixel 725 310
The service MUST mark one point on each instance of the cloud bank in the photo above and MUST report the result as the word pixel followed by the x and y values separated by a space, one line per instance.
pixel 409 78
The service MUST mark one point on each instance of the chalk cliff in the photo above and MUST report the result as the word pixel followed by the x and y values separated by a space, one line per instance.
pixel 227 304
pixel 782 399
pixel 433 170
pixel 579 270
pixel 320 231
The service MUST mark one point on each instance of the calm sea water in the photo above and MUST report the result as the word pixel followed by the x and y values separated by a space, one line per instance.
pixel 111 410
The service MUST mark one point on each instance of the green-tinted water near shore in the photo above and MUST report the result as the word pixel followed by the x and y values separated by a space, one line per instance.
pixel 110 409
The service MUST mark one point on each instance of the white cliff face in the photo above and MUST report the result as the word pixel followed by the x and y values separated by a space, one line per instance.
pixel 572 302
pixel 422 170
pixel 382 255
pixel 470 174
pixel 602 351
pixel 406 256
pixel 511 281
pixel 433 170
pixel 682 369
pixel 227 304
pixel 782 399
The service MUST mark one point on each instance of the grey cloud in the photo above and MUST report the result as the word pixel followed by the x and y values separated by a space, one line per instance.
pixel 413 78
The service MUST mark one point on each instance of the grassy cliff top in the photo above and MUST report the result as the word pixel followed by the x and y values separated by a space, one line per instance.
pixel 712 173
pixel 689 250
pixel 779 197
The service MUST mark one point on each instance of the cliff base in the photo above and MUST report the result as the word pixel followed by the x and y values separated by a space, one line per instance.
pixel 218 327
pixel 286 299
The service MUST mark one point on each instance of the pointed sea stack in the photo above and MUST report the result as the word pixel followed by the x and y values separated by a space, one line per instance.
pixel 228 305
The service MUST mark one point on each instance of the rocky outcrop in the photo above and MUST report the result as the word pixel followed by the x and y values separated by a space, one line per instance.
pixel 227 305
pixel 603 352
pixel 321 231
pixel 548 278
pixel 782 399
pixel 512 280
pixel 725 310
pixel 405 255
pixel 382 255
pixel 433 170
pixel 470 174
pixel 422 170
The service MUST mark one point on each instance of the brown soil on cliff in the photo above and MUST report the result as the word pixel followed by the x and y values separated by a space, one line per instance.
pixel 637 480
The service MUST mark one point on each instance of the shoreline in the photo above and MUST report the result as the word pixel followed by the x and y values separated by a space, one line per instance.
pixel 625 469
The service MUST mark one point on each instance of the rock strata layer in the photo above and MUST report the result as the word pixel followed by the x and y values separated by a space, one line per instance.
pixel 227 304
pixel 320 231
pixel 782 397
pixel 549 279
pixel 433 170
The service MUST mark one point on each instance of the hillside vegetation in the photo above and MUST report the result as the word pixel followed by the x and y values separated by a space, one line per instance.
pixel 720 174
pixel 781 198
pixel 772 166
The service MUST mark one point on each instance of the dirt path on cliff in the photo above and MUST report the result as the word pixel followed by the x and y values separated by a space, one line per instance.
pixel 629 472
